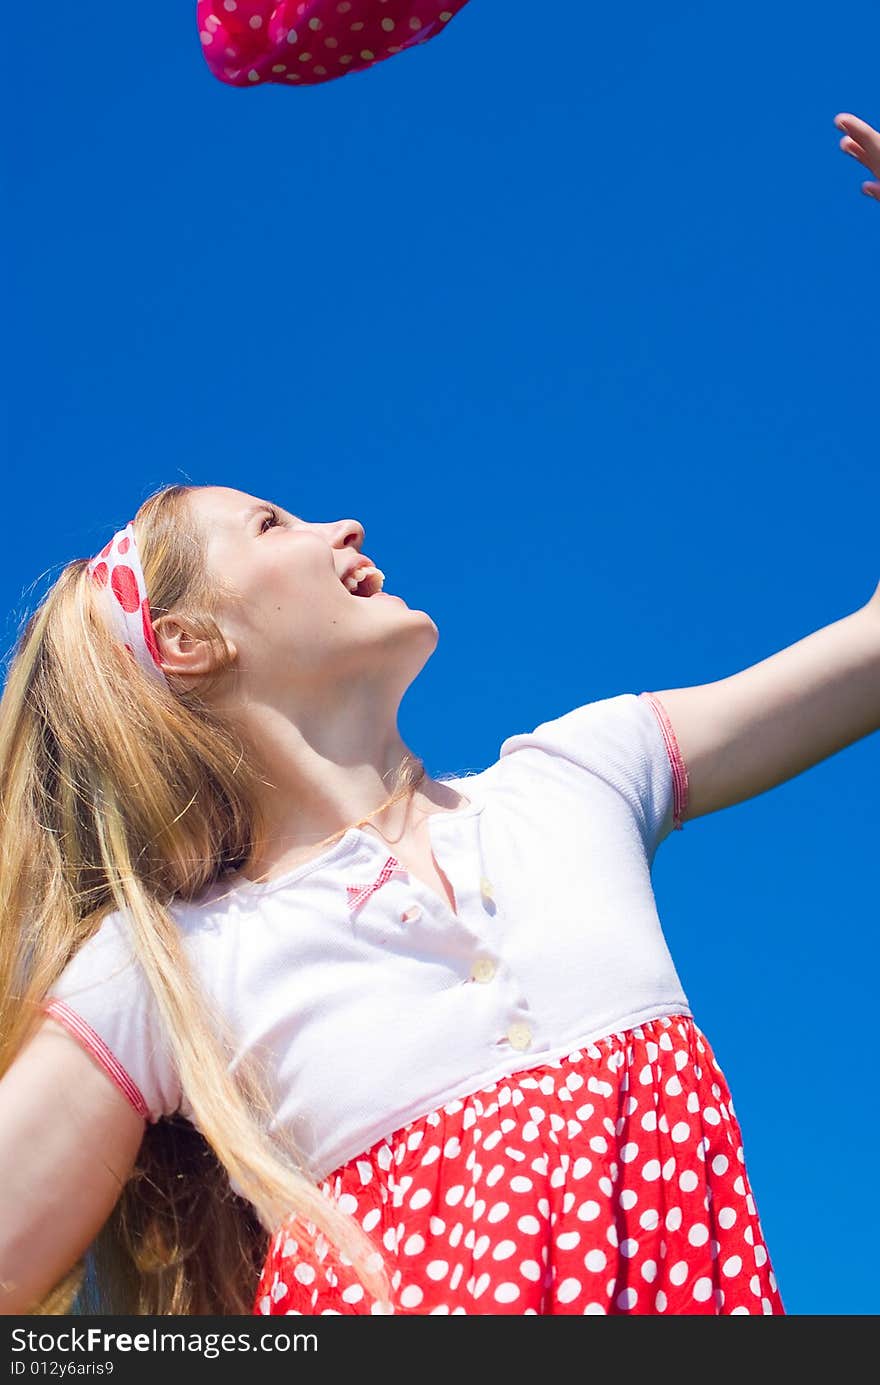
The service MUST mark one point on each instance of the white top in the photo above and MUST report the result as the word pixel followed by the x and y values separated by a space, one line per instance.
pixel 371 1000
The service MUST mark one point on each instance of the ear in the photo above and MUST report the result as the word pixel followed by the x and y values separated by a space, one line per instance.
pixel 183 653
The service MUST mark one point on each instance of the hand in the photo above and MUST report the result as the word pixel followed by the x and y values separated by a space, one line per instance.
pixel 863 144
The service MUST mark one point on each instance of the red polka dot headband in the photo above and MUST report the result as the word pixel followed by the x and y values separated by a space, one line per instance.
pixel 117 568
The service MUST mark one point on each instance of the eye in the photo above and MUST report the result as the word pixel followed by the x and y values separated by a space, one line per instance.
pixel 271 519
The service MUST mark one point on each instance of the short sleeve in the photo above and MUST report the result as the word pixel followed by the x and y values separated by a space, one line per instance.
pixel 628 742
pixel 104 1001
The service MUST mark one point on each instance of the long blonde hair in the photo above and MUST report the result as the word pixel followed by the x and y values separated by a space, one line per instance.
pixel 119 793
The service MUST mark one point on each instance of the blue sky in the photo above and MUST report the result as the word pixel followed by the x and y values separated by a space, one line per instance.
pixel 577 316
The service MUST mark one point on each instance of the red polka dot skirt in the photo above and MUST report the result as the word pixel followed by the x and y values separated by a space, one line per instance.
pixel 301 42
pixel 610 1180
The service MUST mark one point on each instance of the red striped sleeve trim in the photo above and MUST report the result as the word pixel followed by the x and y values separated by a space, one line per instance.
pixel 94 1044
pixel 679 769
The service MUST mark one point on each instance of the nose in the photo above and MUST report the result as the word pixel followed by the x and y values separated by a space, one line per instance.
pixel 347 533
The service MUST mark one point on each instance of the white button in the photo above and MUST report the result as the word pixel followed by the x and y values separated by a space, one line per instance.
pixel 483 969
pixel 411 914
pixel 519 1036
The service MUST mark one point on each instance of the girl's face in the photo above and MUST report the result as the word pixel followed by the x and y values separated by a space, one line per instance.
pixel 283 603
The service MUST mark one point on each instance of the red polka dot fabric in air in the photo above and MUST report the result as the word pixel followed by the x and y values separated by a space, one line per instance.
pixel 610 1180
pixel 301 42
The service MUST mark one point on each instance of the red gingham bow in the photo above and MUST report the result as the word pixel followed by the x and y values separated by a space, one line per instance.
pixel 358 894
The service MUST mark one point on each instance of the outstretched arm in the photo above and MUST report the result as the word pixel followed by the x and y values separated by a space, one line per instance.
pixel 747 733
pixel 863 143
pixel 69 1139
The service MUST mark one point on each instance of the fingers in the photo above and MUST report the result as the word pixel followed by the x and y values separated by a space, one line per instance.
pixel 860 140
pixel 850 146
pixel 854 126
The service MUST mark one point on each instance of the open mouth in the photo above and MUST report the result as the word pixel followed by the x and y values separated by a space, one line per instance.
pixel 369 582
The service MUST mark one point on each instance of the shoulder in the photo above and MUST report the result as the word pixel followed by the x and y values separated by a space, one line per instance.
pixel 616 727
pixel 619 743
pixel 110 949
pixel 105 951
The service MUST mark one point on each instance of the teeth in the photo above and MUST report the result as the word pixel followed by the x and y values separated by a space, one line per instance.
pixel 362 575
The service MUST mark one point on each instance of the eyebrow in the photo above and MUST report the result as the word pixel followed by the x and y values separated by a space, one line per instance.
pixel 258 509
pixel 263 507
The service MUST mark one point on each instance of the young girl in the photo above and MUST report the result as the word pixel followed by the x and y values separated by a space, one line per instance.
pixel 275 1040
